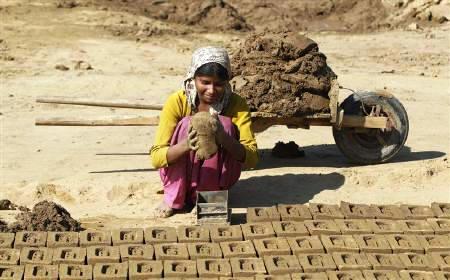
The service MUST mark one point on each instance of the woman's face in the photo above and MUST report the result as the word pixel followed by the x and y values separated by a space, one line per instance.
pixel 210 89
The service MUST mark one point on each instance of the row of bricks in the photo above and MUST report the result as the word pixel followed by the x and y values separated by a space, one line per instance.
pixel 219 233
pixel 300 212
pixel 367 243
pixel 343 245
pixel 204 268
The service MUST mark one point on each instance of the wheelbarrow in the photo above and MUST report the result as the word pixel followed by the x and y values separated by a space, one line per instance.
pixel 368 127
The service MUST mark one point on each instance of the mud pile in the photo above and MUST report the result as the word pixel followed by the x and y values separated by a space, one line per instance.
pixel 45 216
pixel 282 73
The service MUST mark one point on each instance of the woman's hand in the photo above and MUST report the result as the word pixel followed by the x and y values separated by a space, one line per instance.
pixel 220 131
pixel 227 142
pixel 192 139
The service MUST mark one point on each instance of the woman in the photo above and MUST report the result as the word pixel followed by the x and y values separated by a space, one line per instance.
pixel 206 89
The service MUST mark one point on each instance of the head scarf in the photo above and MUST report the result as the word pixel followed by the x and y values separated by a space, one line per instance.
pixel 200 57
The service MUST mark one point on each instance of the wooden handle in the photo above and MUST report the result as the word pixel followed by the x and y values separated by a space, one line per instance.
pixel 104 121
pixel 100 103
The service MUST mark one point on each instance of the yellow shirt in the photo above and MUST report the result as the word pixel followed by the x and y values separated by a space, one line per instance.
pixel 176 108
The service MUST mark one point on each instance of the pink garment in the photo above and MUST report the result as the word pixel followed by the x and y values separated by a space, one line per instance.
pixel 183 178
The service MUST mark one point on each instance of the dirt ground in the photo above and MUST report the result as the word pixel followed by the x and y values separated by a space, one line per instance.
pixel 102 175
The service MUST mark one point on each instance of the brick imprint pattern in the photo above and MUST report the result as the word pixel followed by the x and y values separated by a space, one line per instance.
pixel 320 241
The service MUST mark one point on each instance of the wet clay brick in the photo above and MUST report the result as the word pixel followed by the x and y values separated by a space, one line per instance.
pixel 389 212
pixel 75 272
pixel 309 276
pixel 238 249
pixel 272 277
pixel 62 239
pixel 290 228
pixel 220 233
pixel 247 266
pixel 284 264
pixel 351 261
pixel 145 269
pixel 95 238
pixel 404 243
pixel 41 272
pixel 69 255
pixel 262 214
pixel 413 261
pixel 441 210
pixel 294 212
pixel 416 275
pixel 372 243
pixel 111 271
pixel 325 211
pixel 435 243
pixel 30 239
pixel 33 255
pixel 12 272
pixel 237 278
pixel 127 236
pixel 9 256
pixel 272 246
pixel 385 261
pixel 442 259
pixel 190 234
pixel 6 239
pixel 136 252
pixel 103 254
pixel 353 226
pixel 204 250
pixel 339 243
pixel 357 211
pixel 381 275
pixel 180 268
pixel 416 227
pixel 157 235
pixel 305 245
pixel 347 275
pixel 417 212
pixel 385 226
pixel 213 268
pixel 257 230
pixel 316 262
pixel 442 275
pixel 317 227
pixel 171 251
pixel 440 226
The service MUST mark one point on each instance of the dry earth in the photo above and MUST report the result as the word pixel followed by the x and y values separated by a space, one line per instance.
pixel 102 175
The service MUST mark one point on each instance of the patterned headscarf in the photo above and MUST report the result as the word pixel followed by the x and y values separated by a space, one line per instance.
pixel 200 57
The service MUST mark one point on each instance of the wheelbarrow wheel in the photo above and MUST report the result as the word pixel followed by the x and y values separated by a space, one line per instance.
pixel 371 146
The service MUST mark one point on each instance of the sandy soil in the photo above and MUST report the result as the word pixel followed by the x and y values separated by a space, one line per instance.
pixel 102 175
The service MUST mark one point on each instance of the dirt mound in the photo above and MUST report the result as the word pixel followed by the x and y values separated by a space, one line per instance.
pixel 211 15
pixel 336 15
pixel 282 73
pixel 6 204
pixel 287 150
pixel 3 226
pixel 341 15
pixel 45 216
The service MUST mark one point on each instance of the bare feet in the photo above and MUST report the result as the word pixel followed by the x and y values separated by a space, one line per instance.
pixel 163 211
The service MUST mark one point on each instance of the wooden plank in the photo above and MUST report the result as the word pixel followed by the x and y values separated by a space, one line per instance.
pixel 103 121
pixel 367 122
pixel 99 103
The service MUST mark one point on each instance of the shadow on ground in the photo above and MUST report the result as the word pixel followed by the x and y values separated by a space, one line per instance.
pixel 261 191
pixel 328 155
